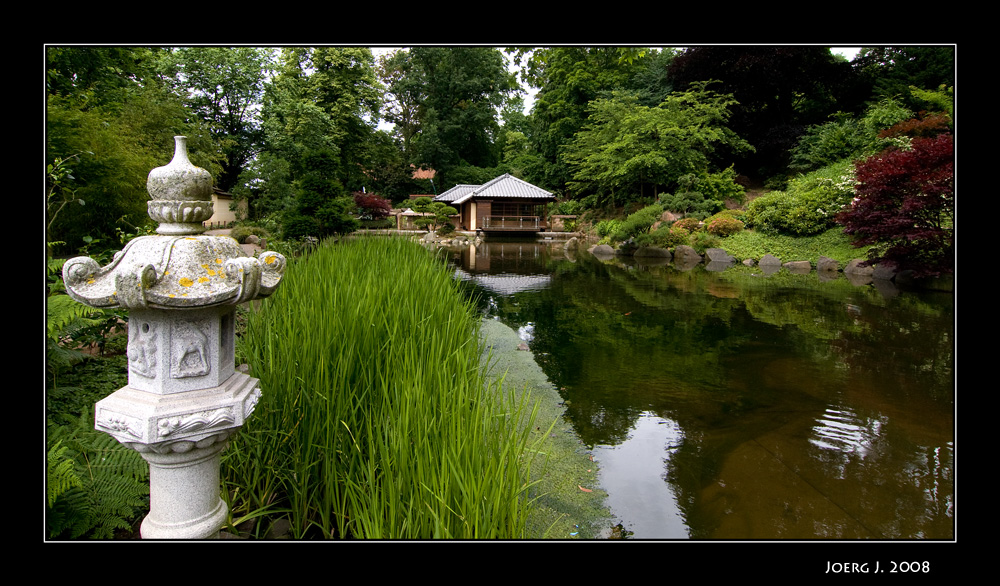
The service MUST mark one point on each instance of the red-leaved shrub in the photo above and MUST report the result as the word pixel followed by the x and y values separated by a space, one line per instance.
pixel 904 205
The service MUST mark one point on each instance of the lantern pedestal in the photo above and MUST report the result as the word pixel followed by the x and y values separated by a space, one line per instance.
pixel 184 397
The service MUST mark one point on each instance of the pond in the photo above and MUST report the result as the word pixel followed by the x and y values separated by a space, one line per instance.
pixel 736 404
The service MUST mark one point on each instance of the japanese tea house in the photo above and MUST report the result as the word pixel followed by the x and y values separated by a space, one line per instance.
pixel 504 204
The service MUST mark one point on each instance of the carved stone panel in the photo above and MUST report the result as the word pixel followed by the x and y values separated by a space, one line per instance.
pixel 189 348
pixel 177 351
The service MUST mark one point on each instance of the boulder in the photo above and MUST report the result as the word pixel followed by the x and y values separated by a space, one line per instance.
pixel 719 255
pixel 798 266
pixel 855 267
pixel 603 250
pixel 883 272
pixel 654 251
pixel 769 260
pixel 748 262
pixel 826 265
pixel 685 254
pixel 685 257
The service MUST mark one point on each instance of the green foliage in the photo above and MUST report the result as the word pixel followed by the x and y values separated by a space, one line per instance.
pixel 702 241
pixel 847 137
pixel 223 86
pixel 637 223
pixel 568 79
pixel 605 228
pixel 625 147
pixel 664 236
pixel 378 422
pixel 940 100
pixel 755 244
pixel 322 207
pixel 459 91
pixel 441 211
pixel 240 233
pixel 64 318
pixel 60 475
pixel 70 324
pixel 892 70
pixel 110 103
pixel 107 488
pixel 702 194
pixel 569 207
pixel 828 143
pixel 808 206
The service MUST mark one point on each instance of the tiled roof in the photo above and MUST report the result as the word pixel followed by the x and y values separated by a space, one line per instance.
pixel 505 186
pixel 455 192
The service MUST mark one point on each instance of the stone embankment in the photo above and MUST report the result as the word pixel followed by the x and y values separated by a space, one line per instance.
pixel 716 259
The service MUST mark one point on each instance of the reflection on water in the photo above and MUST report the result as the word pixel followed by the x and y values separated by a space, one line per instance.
pixel 739 405
pixel 634 475
pixel 840 430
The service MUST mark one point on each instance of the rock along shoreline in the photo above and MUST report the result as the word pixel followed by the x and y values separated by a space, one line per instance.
pixel 684 257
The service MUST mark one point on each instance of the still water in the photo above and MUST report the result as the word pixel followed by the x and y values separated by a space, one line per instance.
pixel 738 404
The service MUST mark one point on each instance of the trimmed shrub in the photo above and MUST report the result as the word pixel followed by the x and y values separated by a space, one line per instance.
pixel 724 226
pixel 240 233
pixel 689 224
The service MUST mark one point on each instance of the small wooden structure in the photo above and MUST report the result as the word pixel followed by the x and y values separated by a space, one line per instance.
pixel 503 204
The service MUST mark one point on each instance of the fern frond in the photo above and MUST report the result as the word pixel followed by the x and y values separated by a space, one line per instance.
pixel 113 488
pixel 70 515
pixel 61 475
pixel 64 314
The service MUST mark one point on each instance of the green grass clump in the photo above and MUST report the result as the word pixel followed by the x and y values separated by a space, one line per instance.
pixel 832 243
pixel 376 420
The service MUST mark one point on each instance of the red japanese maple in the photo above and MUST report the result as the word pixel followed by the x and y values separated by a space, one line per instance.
pixel 905 206
pixel 371 206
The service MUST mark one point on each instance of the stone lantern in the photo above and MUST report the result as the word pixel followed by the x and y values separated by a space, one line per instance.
pixel 184 397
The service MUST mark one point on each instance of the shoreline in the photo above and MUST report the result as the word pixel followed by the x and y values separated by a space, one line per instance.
pixel 568 503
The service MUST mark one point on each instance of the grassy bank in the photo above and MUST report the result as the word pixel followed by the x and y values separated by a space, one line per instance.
pixel 376 420
pixel 754 245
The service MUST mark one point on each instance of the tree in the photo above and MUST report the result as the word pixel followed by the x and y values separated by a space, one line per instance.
pixel 324 98
pixel 371 206
pixel 904 206
pixel 780 90
pixel 319 117
pixel 892 71
pixel 108 104
pixel 225 87
pixel 440 212
pixel 322 206
pixel 458 92
pixel 628 151
pixel 568 79
pixel 400 105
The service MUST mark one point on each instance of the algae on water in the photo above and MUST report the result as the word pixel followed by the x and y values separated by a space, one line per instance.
pixel 568 504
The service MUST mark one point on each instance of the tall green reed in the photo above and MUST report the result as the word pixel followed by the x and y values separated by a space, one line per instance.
pixel 376 420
